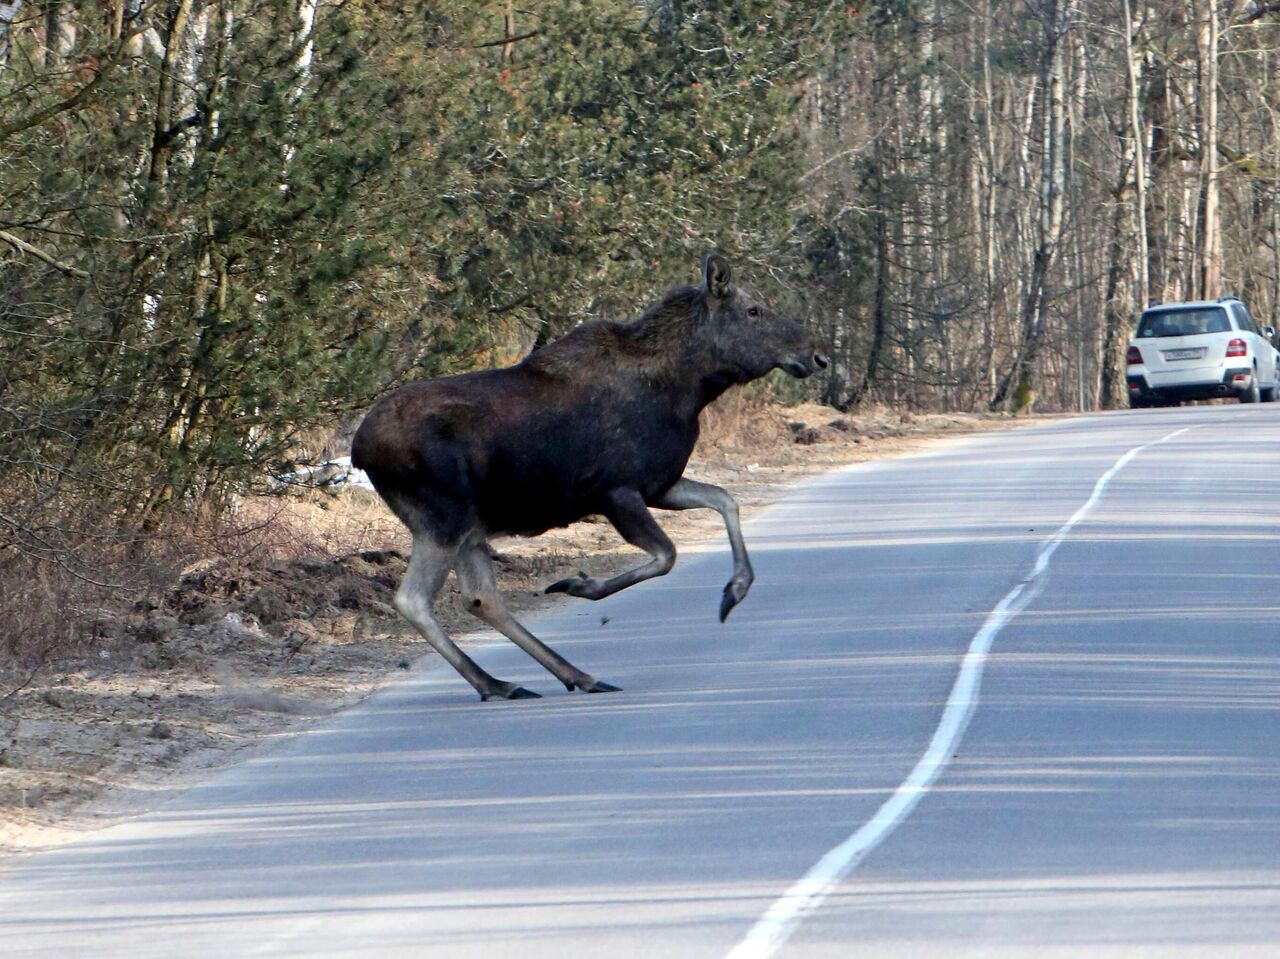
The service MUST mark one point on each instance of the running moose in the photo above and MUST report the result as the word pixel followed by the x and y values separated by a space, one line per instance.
pixel 600 421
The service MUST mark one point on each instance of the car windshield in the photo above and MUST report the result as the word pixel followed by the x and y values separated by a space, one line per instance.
pixel 1188 322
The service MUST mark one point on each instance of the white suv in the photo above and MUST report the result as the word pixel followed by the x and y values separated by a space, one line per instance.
pixel 1201 350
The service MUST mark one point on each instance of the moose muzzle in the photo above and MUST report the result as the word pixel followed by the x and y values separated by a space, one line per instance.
pixel 801 368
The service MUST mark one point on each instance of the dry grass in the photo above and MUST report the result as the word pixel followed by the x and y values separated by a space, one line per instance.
pixel 324 522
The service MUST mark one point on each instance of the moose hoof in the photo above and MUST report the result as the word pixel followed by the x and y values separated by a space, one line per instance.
pixel 727 602
pixel 509 691
pixel 599 686
pixel 734 593
pixel 581 585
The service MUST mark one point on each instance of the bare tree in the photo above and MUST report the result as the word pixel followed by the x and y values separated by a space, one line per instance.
pixel 1208 239
pixel 1017 389
pixel 1133 69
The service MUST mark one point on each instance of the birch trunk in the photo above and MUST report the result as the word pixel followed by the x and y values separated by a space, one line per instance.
pixel 988 212
pixel 59 34
pixel 1139 158
pixel 1112 393
pixel 1208 275
pixel 1017 391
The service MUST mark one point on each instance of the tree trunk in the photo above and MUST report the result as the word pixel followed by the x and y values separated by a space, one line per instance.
pixel 1139 159
pixel 166 94
pixel 1112 393
pixel 1208 274
pixel 987 215
pixel 880 309
pixel 1156 148
pixel 1017 390
pixel 59 34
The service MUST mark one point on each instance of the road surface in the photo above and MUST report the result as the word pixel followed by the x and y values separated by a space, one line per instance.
pixel 1105 781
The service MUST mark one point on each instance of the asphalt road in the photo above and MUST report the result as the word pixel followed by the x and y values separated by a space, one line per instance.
pixel 1112 787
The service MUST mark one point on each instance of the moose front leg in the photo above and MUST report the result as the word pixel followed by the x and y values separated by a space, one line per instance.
pixel 630 517
pixel 690 494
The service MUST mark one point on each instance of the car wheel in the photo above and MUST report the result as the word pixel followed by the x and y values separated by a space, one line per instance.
pixel 1251 393
pixel 1138 403
pixel 1269 394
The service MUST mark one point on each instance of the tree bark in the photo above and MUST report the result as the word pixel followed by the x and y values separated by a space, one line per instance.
pixel 1139 158
pixel 1158 158
pixel 1017 390
pixel 1111 388
pixel 59 33
pixel 880 308
pixel 988 210
pixel 162 137
pixel 1208 276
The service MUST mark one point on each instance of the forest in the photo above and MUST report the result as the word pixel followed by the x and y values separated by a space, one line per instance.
pixel 226 226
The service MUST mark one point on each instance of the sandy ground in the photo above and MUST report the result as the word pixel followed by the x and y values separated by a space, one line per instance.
pixel 239 652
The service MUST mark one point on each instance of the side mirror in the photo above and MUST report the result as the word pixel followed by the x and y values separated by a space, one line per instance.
pixel 1269 332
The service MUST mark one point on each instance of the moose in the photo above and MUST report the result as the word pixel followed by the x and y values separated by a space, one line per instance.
pixel 601 421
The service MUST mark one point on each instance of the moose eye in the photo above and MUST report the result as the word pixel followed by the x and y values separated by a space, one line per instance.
pixel 753 311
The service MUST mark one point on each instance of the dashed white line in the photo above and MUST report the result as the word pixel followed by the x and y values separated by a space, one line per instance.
pixel 780 920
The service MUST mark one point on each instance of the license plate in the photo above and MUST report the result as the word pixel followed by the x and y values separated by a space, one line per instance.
pixel 1183 354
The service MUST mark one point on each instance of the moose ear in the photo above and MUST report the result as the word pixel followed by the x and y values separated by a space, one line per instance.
pixel 715 275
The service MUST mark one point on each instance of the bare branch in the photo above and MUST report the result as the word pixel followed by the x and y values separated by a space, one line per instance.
pixel 23 246
pixel 505 40
pixel 105 69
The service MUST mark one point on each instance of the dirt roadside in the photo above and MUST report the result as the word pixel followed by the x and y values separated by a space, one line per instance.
pixel 236 653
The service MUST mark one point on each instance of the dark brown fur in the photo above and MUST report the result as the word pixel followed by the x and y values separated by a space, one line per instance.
pixel 602 420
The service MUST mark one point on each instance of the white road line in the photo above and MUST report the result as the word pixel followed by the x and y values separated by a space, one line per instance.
pixel 776 925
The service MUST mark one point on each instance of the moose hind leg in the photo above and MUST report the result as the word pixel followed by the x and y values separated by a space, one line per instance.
pixel 484 601
pixel 630 517
pixel 690 494
pixel 428 568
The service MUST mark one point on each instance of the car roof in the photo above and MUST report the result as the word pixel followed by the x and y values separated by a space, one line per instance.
pixel 1189 304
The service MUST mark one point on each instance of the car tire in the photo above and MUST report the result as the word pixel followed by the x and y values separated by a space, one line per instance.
pixel 1269 394
pixel 1138 403
pixel 1251 394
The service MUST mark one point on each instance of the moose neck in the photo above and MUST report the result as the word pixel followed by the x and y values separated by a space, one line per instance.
pixel 680 356
pixel 713 384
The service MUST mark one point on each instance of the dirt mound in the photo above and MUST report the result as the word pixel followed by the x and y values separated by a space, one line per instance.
pixel 283 595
